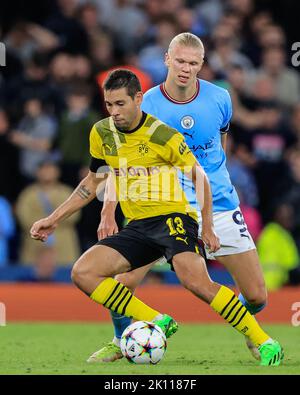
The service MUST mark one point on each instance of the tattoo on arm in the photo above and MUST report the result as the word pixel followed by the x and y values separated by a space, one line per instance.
pixel 83 192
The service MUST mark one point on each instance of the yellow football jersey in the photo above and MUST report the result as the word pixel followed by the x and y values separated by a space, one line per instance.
pixel 145 164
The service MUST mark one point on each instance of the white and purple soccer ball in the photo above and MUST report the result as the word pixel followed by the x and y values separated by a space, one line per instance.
pixel 143 342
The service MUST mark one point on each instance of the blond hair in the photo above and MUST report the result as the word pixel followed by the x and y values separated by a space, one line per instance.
pixel 188 40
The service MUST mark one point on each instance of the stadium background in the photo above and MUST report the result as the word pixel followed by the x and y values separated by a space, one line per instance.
pixel 57 55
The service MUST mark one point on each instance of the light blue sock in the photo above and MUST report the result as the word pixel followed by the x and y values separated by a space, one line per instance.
pixel 120 323
pixel 253 309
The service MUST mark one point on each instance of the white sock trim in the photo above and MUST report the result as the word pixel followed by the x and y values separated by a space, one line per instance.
pixel 268 341
pixel 116 341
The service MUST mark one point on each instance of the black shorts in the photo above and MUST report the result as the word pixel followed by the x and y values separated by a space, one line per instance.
pixel 146 240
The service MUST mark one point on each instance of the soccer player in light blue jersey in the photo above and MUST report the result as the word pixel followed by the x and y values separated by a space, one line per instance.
pixel 201 111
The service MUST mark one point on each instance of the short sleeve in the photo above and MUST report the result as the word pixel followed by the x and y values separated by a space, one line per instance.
pixel 96 144
pixel 227 112
pixel 147 105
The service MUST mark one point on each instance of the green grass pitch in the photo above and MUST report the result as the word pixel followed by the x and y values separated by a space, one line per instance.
pixel 54 349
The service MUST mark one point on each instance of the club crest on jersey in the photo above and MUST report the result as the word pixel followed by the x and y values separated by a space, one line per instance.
pixel 187 122
pixel 143 149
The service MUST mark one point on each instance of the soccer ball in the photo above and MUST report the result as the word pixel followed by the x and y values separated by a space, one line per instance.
pixel 143 343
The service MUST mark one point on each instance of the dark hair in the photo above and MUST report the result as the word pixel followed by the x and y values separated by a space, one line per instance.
pixel 123 78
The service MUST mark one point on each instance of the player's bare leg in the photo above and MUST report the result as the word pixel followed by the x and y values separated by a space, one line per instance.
pixel 111 351
pixel 93 273
pixel 132 279
pixel 97 264
pixel 191 271
pixel 246 271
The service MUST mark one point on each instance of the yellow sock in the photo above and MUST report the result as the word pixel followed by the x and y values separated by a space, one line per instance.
pixel 235 313
pixel 116 297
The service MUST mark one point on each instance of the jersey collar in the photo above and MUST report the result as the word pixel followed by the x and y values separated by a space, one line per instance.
pixel 141 123
pixel 167 96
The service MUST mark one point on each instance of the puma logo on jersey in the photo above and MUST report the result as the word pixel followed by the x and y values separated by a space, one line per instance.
pixel 188 134
pixel 110 149
pixel 182 239
pixel 107 147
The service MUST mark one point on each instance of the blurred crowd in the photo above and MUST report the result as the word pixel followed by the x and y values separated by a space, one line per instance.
pixel 57 58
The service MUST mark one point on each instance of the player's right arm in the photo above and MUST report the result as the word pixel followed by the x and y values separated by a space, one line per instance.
pixel 81 196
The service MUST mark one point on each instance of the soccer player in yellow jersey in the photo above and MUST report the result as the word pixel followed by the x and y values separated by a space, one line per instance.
pixel 142 153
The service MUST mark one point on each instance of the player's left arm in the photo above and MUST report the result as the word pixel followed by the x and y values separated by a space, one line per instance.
pixel 108 225
pixel 224 141
pixel 181 156
pixel 227 114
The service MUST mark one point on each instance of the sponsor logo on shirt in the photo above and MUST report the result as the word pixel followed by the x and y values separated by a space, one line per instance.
pixel 136 171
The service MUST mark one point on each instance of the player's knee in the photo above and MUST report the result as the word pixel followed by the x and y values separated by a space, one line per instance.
pixel 78 274
pixel 257 297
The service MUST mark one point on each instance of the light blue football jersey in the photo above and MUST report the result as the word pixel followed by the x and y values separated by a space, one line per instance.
pixel 202 120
